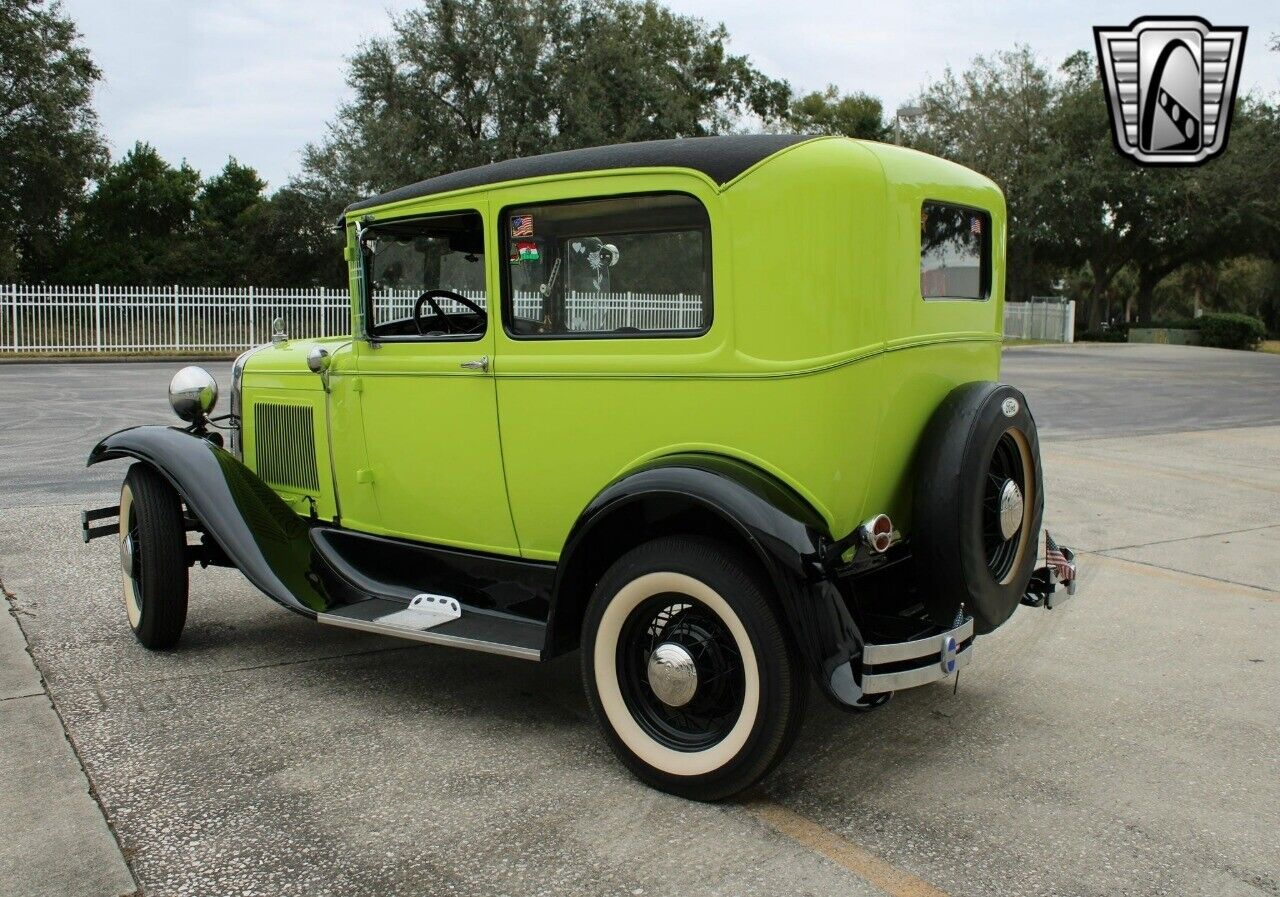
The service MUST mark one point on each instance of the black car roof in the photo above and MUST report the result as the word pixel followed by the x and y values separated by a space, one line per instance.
pixel 719 158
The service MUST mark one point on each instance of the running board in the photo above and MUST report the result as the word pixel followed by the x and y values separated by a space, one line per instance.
pixel 440 620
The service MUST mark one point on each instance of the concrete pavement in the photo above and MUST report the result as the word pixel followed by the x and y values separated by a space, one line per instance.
pixel 55 841
pixel 1123 744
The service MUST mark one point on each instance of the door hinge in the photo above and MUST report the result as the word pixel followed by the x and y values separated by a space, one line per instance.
pixel 364 475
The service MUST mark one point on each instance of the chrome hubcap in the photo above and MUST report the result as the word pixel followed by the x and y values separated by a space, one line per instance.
pixel 673 675
pixel 126 555
pixel 1010 509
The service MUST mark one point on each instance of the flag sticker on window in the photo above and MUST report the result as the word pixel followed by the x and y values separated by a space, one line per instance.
pixel 527 252
pixel 975 226
pixel 522 225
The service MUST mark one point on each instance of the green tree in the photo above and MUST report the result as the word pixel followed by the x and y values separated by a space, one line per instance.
pixel 463 84
pixel 1086 187
pixel 49 142
pixel 294 241
pixel 830 112
pixel 1221 210
pixel 136 226
pixel 230 209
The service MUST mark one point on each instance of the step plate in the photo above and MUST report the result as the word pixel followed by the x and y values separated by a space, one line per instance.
pixel 424 612
pixel 439 624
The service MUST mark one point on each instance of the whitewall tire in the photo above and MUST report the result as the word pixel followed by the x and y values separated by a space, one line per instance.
pixel 153 557
pixel 688 669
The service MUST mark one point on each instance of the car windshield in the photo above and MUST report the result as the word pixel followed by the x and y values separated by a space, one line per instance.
pixel 405 260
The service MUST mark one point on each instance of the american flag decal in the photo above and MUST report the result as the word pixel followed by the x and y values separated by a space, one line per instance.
pixel 1057 561
pixel 522 225
pixel 975 226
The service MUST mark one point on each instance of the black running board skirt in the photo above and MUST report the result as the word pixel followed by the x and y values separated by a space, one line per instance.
pixel 429 593
pixel 474 631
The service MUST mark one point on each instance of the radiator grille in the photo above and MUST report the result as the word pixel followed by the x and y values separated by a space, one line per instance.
pixel 285 445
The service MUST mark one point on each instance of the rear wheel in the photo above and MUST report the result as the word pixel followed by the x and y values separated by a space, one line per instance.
pixel 153 557
pixel 695 684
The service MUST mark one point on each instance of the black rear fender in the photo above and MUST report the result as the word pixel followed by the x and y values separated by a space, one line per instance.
pixel 731 500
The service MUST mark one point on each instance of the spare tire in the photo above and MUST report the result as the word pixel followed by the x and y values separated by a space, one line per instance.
pixel 979 500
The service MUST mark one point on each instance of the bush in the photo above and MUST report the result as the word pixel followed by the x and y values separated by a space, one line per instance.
pixel 1174 324
pixel 1229 330
pixel 1116 333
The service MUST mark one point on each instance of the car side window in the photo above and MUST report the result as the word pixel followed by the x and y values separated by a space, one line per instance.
pixel 627 266
pixel 955 252
pixel 425 278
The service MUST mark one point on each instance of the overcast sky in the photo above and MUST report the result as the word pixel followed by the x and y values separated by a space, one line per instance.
pixel 257 79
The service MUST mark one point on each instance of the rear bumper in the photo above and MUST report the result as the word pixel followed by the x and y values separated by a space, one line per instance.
pixel 896 665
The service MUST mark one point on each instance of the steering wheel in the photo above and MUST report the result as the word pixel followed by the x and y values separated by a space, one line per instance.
pixel 429 298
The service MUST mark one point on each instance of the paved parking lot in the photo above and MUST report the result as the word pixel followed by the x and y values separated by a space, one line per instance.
pixel 1126 743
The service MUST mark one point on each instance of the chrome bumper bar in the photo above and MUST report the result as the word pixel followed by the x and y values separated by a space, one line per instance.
pixel 916 662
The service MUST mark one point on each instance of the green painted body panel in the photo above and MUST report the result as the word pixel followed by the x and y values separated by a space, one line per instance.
pixel 822 363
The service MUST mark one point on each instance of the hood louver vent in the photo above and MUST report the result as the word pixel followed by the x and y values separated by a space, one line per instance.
pixel 285 446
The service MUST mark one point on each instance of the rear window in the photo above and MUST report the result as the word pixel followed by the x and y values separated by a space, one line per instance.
pixel 955 252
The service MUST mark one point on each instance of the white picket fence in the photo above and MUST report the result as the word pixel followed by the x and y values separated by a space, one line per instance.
pixel 174 319
pixel 1046 320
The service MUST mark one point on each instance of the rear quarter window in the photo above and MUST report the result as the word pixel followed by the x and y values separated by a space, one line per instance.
pixel 955 252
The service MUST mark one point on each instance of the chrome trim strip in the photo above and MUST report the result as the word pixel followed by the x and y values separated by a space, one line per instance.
pixel 328 432
pixel 930 647
pixel 434 638
pixel 882 682
pixel 237 400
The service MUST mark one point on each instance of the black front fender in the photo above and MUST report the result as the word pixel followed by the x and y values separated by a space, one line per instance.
pixel 261 535
pixel 787 536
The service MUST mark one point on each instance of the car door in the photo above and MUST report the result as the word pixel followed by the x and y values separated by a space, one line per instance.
pixel 426 384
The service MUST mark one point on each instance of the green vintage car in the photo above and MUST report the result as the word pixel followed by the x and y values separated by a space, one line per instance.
pixel 721 413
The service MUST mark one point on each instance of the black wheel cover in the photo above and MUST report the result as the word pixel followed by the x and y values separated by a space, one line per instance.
pixel 981 437
pixel 715 708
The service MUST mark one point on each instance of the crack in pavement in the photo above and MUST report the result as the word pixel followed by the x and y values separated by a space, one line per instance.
pixel 1230 532
pixel 1212 582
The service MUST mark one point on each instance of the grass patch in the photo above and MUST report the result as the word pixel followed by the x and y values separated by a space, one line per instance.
pixel 1270 345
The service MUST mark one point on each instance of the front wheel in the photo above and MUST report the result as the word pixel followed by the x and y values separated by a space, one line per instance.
pixel 153 557
pixel 686 666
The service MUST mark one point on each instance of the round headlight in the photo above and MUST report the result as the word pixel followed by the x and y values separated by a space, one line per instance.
pixel 193 392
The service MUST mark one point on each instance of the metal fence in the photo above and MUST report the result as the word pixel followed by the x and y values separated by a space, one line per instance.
pixel 175 319
pixel 1053 320
pixel 140 319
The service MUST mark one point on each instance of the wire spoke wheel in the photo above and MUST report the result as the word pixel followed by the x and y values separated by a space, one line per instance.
pixel 687 668
pixel 713 672
pixel 1006 504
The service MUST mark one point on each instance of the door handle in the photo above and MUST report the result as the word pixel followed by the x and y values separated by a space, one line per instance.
pixel 480 364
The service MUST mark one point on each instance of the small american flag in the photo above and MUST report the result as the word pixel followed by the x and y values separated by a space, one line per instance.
pixel 1054 558
pixel 975 225
pixel 522 225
